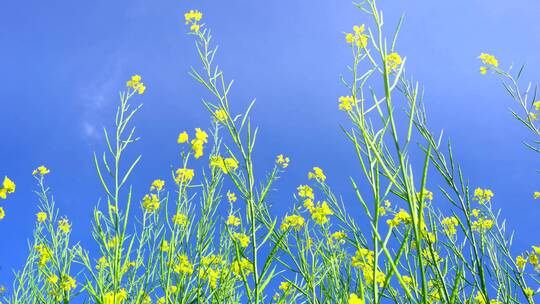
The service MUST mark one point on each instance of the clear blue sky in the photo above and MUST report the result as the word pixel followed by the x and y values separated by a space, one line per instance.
pixel 62 63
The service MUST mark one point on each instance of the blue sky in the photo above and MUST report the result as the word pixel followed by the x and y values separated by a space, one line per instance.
pixel 63 63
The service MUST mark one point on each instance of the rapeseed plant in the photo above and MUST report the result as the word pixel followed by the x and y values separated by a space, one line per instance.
pixel 414 245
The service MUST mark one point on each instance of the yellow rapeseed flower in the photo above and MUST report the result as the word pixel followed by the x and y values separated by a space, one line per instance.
pixel 180 219
pixel 354 299
pixel 41 170
pixel 294 221
pixel 193 16
pixel 220 115
pixel 231 197
pixel 282 161
pixel 226 165
pixel 317 174
pixel 184 176
pixel 67 283
pixel 305 191
pixel 136 84
pixel 242 239
pixel 150 202
pixel 346 103
pixel 233 220
pixel 64 226
pixel 41 217
pixel 182 137
pixel 184 265
pixel 393 61
pixel 2 213
pixel 157 185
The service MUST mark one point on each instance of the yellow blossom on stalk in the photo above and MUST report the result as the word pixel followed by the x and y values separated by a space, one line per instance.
pixel 8 187
pixel 475 212
pixel 483 70
pixel 536 194
pixel 164 246
pixel 226 165
pixel 529 292
pixel 362 256
pixel 53 279
pixel 244 266
pixel 285 286
pixel 450 224
pixel 479 298
pixel 482 224
pixel 317 174
pixel 282 161
pixel 2 213
pixel 41 217
pixel 305 191
pixel 112 297
pixel 431 255
pixel 426 195
pixel 197 144
pixel 161 300
pixel 193 16
pixel 113 242
pixel 102 263
pixel 231 197
pixel 195 27
pixel 184 265
pixel 220 115
pixel 536 249
pixel 320 213
pixel 393 61
pixel 45 254
pixel 211 275
pixel 157 185
pixel 400 217
pixel 182 137
pixel 346 103
pixel 354 299
pixel 533 116
pixel 173 289
pixel 67 283
pixel 488 59
pixel 233 220
pixel 294 221
pixel 358 36
pixel 521 262
pixel 483 195
pixel 407 280
pixel 184 176
pixel 180 219
pixel 338 237
pixel 64 226
pixel 242 238
pixel 533 259
pixel 150 202
pixel 136 84
pixel 41 170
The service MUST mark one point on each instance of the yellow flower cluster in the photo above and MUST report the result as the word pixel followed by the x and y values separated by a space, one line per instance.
pixel 393 61
pixel 180 219
pixel 67 283
pixel 211 269
pixel 364 259
pixel 150 203
pixel 489 61
pixel 400 217
pixel 358 36
pixel 233 221
pixel 183 265
pixel 337 237
pixel 320 212
pixel 244 266
pixel 41 217
pixel 317 174
pixel 112 297
pixel 450 224
pixel 184 176
pixel 242 239
pixel 346 103
pixel 226 165
pixel 197 144
pixel 8 187
pixel 64 226
pixel 45 254
pixel 41 170
pixel 231 197
pixel 157 185
pixel 483 195
pixel 282 161
pixel 354 299
pixel 305 191
pixel 292 221
pixel 136 84
pixel 220 115
pixel 193 17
